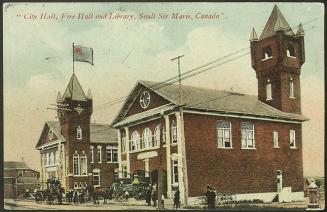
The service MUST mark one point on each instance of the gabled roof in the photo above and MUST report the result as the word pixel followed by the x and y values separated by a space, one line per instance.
pixel 211 100
pixel 74 90
pixel 275 22
pixel 12 165
pixel 100 133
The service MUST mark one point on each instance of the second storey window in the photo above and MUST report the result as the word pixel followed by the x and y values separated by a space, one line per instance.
pixel 99 154
pixel 157 136
pixel 247 135
pixel 224 137
pixel 275 138
pixel 292 139
pixel 173 133
pixel 75 164
pixel 147 138
pixel 291 88
pixel 79 133
pixel 112 154
pixel 268 90
pixel 135 141
pixel 92 154
pixel 83 164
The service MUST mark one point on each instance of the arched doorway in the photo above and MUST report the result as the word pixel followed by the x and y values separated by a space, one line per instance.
pixel 154 179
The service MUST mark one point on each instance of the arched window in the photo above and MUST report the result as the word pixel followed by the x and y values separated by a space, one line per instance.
pixel 173 130
pixel 291 88
pixel 268 90
pixel 135 141
pixel 157 136
pixel 266 53
pixel 247 135
pixel 290 52
pixel 224 134
pixel 147 136
pixel 75 164
pixel 83 164
pixel 79 133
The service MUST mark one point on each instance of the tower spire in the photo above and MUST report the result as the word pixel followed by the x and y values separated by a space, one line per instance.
pixel 300 31
pixel 253 35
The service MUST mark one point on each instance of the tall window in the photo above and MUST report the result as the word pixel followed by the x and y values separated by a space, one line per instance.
pixel 268 90
pixel 224 132
pixel 290 52
pixel 275 138
pixel 173 133
pixel 57 156
pixel 135 141
pixel 291 88
pixel 147 137
pixel 75 164
pixel 92 154
pixel 79 132
pixel 292 139
pixel 157 136
pixel 175 171
pixel 83 164
pixel 99 154
pixel 112 154
pixel 96 177
pixel 247 135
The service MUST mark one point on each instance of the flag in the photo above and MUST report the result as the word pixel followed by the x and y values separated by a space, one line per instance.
pixel 83 54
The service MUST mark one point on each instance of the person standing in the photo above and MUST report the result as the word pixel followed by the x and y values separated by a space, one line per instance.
pixel 208 196
pixel 213 198
pixel 148 196
pixel 126 196
pixel 177 199
pixel 154 196
pixel 75 196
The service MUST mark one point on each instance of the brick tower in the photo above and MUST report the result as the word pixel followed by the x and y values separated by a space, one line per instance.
pixel 74 113
pixel 277 57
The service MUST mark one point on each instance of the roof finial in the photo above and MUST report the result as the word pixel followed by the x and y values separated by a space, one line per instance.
pixel 300 31
pixel 253 36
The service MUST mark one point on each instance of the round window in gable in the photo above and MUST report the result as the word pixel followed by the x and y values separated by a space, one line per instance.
pixel 145 99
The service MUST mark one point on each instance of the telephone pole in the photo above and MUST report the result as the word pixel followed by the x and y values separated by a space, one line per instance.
pixel 179 77
pixel 160 186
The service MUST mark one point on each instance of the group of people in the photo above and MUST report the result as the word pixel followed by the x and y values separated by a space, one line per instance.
pixel 74 196
pixel 151 195
pixel 53 182
pixel 211 197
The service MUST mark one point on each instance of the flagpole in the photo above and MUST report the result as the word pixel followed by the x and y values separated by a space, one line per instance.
pixel 73 59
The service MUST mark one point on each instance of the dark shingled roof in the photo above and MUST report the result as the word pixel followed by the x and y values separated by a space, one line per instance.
pixel 15 165
pixel 74 90
pixel 220 100
pixel 100 133
pixel 275 21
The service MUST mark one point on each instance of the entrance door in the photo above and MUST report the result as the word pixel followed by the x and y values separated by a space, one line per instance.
pixel 154 179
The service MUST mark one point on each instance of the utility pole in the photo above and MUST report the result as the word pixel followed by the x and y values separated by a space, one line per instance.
pixel 179 77
pixel 159 187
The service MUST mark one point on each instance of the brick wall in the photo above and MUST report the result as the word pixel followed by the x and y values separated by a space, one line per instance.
pixel 240 170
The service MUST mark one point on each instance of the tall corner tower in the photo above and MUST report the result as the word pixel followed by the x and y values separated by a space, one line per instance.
pixel 277 56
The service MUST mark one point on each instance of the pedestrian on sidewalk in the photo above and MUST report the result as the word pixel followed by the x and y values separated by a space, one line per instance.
pixel 126 196
pixel 154 196
pixel 177 199
pixel 75 196
pixel 148 196
pixel 163 201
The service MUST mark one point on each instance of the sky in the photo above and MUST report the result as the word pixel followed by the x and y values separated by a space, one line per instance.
pixel 38 59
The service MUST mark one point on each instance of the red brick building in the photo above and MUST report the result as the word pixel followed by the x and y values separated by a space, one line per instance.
pixel 248 145
pixel 18 177
pixel 74 150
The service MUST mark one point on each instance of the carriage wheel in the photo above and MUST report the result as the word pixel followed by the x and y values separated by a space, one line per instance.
pixel 39 198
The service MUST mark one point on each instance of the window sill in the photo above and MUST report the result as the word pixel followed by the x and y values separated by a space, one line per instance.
pixel 276 147
pixel 175 184
pixel 293 147
pixel 292 97
pixel 144 149
pixel 97 186
pixel 174 144
pixel 268 99
pixel 112 162
pixel 249 148
pixel 264 59
pixel 291 56
pixel 80 175
pixel 225 148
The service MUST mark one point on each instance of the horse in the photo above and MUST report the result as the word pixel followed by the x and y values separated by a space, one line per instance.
pixel 95 193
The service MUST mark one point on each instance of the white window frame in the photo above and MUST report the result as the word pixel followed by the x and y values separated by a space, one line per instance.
pixel 135 141
pixel 52 158
pixel 292 138
pixel 276 139
pixel 92 154
pixel 245 136
pixel 111 150
pixel 173 130
pixel 83 166
pixel 147 138
pixel 175 174
pixel 96 172
pixel 291 84
pixel 268 91
pixel 76 165
pixel 79 133
pixel 99 151
pixel 157 136
pixel 224 131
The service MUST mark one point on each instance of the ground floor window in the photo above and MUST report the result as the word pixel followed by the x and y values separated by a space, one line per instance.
pixel 175 171
pixel 96 178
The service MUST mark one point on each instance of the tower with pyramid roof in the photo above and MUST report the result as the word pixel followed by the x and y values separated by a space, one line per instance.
pixel 277 56
pixel 74 113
